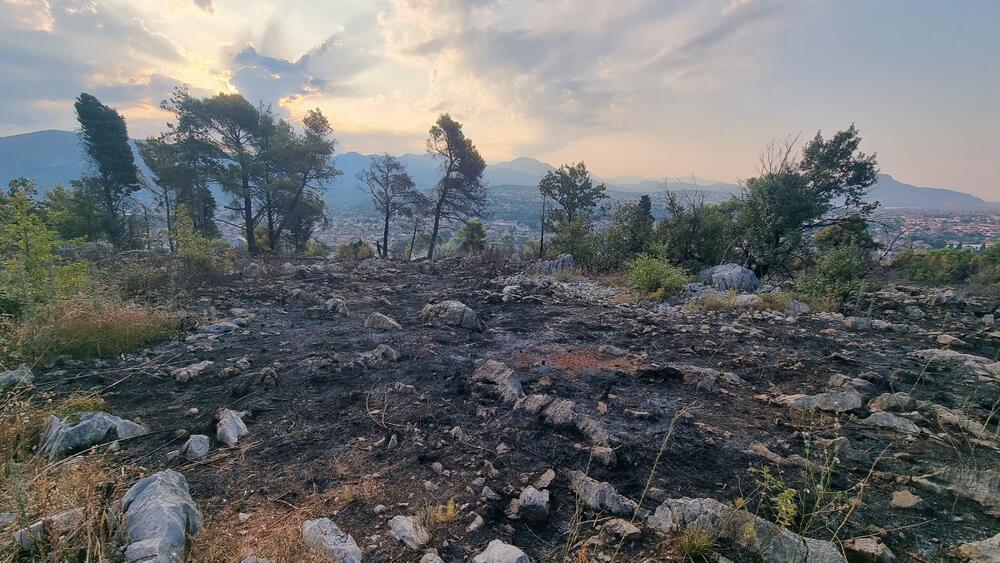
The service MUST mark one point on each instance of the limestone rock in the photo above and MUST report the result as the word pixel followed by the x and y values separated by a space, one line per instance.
pixel 600 497
pixel 892 402
pixel 61 439
pixel 772 543
pixel 20 377
pixel 379 321
pixel 231 427
pixel 196 447
pixel 500 552
pixel 454 313
pixel 407 530
pixel 892 422
pixel 336 544
pixel 497 378
pixel 159 517
pixel 829 401
pixel 983 551
pixel 185 374
pixel 729 276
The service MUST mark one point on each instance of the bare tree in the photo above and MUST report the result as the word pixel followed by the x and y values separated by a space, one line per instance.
pixel 391 190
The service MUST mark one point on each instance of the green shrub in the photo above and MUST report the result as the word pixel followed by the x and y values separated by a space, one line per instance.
pixel 941 266
pixel 316 249
pixel 353 251
pixel 647 274
pixel 838 273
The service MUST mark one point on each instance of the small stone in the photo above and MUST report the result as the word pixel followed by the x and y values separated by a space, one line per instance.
pixel 500 552
pixel 904 499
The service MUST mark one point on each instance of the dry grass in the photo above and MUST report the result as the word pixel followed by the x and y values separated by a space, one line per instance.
pixel 273 532
pixel 90 326
pixel 34 489
pixel 571 274
pixel 720 302
pixel 694 544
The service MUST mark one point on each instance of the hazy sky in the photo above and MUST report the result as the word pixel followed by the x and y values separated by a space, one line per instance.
pixel 646 88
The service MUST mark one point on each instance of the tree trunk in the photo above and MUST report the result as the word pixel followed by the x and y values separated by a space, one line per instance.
pixel 541 239
pixel 434 232
pixel 248 217
pixel 385 236
pixel 413 239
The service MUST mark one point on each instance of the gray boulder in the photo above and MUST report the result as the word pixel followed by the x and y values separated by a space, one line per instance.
pixel 61 439
pixel 454 313
pixel 497 378
pixel 600 497
pixel 196 447
pixel 159 517
pixel 336 544
pixel 500 552
pixel 533 504
pixel 891 422
pixel 20 377
pixel 379 321
pixel 409 531
pixel 231 427
pixel 729 276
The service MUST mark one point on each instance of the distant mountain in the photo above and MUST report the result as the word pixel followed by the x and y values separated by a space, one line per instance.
pixel 55 157
pixel 890 192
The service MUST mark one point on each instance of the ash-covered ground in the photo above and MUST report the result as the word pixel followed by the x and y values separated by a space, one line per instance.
pixel 565 419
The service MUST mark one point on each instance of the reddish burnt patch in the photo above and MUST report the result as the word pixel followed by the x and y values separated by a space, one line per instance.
pixel 576 360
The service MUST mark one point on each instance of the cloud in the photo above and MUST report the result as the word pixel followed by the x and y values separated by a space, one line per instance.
pixel 205 5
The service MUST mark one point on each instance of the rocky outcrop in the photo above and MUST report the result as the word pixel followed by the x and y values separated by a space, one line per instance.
pixel 549 267
pixel 159 517
pixel 729 276
pixel 497 378
pixel 61 439
pixel 599 496
pixel 453 313
pixel 829 401
pixel 772 543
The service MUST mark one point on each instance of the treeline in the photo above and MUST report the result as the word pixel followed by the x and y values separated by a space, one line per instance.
pixel 804 214
pixel 274 174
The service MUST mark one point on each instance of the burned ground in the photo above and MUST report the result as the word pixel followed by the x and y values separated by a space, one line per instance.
pixel 336 433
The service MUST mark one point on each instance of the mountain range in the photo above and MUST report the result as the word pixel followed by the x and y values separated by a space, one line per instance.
pixel 55 157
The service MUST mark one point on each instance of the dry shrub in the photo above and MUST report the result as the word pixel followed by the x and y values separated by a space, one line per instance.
pixel 272 532
pixel 90 326
pixel 720 302
pixel 34 489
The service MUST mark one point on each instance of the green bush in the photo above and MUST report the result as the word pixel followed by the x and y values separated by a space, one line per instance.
pixel 838 273
pixel 353 251
pixel 647 274
pixel 945 265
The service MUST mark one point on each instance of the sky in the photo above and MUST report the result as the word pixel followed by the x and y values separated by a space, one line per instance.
pixel 635 88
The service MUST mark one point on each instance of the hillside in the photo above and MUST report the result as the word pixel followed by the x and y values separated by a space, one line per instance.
pixel 547 414
pixel 54 157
